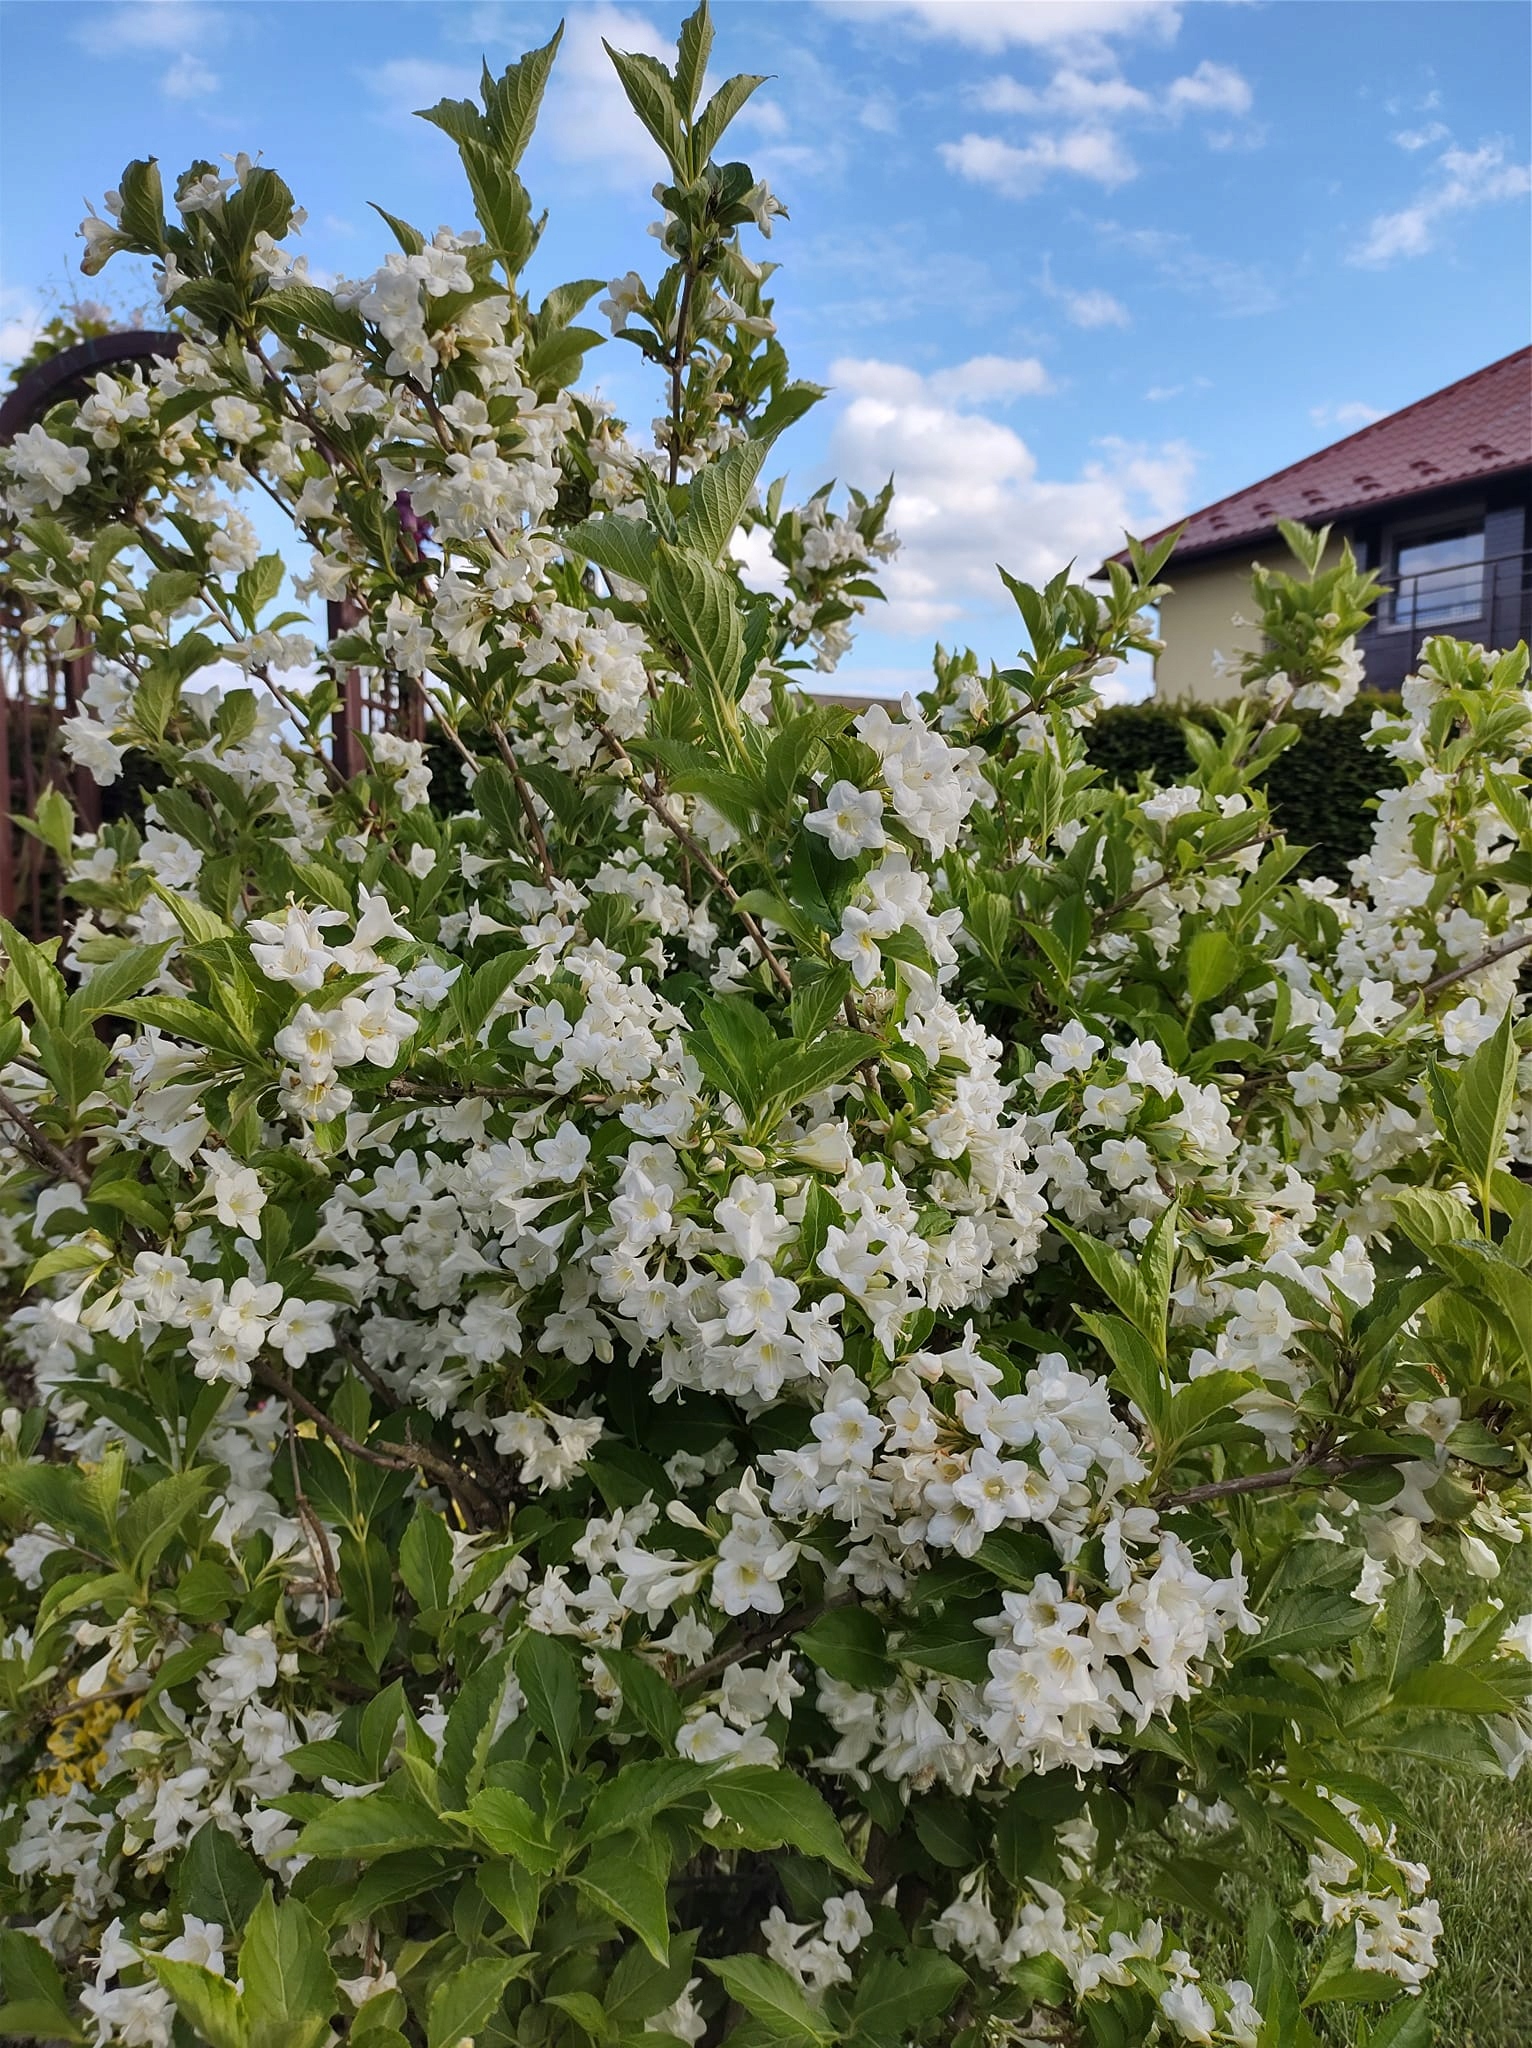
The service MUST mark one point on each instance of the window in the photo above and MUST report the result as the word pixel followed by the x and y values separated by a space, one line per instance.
pixel 1437 578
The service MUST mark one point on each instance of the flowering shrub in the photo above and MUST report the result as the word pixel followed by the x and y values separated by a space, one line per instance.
pixel 792 1379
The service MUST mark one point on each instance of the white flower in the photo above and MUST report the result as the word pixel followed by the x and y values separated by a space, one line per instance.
pixel 247 1667
pixel 235 1192
pixel 237 419
pixel 852 820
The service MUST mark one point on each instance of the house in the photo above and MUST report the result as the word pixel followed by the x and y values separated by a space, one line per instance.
pixel 1437 499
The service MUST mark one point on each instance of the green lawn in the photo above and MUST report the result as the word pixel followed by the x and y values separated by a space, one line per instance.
pixel 1475 1835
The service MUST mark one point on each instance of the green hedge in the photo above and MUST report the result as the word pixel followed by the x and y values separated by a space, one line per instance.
pixel 1320 788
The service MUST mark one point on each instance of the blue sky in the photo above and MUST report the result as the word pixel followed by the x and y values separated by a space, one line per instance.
pixel 1068 264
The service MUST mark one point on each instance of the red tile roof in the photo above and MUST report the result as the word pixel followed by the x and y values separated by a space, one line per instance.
pixel 1481 426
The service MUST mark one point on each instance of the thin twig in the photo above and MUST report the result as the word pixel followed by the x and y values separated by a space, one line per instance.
pixel 678 364
pixel 314 1530
pixel 43 1150
pixel 1132 896
pixel 1514 944
pixel 455 1091
pixel 528 808
pixel 1271 1482
pixel 406 1457
pixel 704 860
pixel 754 1641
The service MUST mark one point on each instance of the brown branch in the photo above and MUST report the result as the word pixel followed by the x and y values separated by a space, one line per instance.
pixel 528 808
pixel 454 1091
pixel 755 1640
pixel 678 364
pixel 1487 958
pixel 1271 1482
pixel 1132 896
pixel 41 1148
pixel 406 1457
pixel 704 860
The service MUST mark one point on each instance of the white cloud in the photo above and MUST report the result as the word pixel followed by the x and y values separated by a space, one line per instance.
pixel 1095 107
pixel 986 380
pixel 587 118
pixel 1079 95
pixel 968 494
pixel 1462 181
pixel 1238 289
pixel 1091 308
pixel 1350 415
pixel 404 86
pixel 1421 138
pixel 1210 89
pixel 1067 92
pixel 764 116
pixel 1092 153
pixel 21 322
pixel 1094 308
pixel 880 115
pixel 994 25
pixel 176 26
pixel 189 79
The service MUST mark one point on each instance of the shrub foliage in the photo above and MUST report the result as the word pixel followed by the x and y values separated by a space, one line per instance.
pixel 1322 790
pixel 788 1378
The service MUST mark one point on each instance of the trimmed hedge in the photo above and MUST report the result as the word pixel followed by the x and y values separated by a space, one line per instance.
pixel 1320 789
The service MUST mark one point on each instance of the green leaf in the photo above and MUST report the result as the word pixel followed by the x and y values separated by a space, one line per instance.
pixel 699 607
pixel 1406 2025
pixel 36 2004
pixel 584 2008
pixel 516 1894
pixel 693 48
pixel 1121 1280
pixel 776 1999
pixel 624 1879
pixel 503 1818
pixel 1413 1630
pixel 425 1559
pixel 546 1672
pixel 463 2002
pixel 289 1986
pixel 1138 1371
pixel 817 997
pixel 775 1808
pixel 639 1791
pixel 896 1997
pixel 801 1073
pixel 1451 1689
pixel 217 1879
pixel 1309 1619
pixel 374 1825
pixel 1478 1099
pixel 645 1693
pixel 623 546
pixel 209 2004
pixel 1212 962
pixel 719 112
pixel 154 1516
pixel 717 497
pixel 471 1724
pixel 647 85
pixel 851 1644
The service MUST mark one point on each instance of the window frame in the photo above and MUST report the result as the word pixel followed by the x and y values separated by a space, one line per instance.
pixel 1419 532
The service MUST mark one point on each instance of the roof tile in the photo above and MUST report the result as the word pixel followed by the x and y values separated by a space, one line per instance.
pixel 1478 427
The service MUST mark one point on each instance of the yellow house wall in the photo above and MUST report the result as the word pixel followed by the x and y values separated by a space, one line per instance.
pixel 1197 620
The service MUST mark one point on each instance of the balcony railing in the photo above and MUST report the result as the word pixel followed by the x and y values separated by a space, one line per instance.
pixel 1488 601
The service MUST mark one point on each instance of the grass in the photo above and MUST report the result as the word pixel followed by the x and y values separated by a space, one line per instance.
pixel 1475 1836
